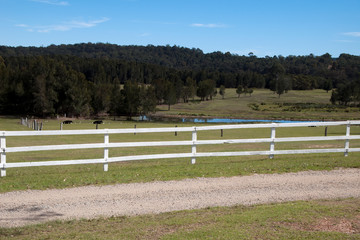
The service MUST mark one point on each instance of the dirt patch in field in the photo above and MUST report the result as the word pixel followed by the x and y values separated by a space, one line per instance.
pixel 329 224
pixel 336 225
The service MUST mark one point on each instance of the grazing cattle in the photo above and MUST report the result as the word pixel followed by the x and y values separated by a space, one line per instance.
pixel 98 122
pixel 67 122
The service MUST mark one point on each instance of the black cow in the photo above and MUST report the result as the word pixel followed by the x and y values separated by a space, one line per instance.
pixel 67 122
pixel 98 122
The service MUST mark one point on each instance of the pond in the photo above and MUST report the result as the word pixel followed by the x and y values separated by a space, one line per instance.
pixel 214 120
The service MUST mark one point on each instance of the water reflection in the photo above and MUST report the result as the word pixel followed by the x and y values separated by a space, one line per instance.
pixel 214 120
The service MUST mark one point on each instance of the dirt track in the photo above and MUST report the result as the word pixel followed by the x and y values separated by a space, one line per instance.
pixel 28 207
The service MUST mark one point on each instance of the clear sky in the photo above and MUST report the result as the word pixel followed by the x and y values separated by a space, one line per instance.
pixel 264 27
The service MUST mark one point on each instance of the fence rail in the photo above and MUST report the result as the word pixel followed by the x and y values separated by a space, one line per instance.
pixel 193 143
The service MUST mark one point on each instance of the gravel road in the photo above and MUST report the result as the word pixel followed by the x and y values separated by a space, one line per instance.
pixel 28 207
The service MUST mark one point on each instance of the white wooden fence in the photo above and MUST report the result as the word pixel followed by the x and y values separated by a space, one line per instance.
pixel 193 143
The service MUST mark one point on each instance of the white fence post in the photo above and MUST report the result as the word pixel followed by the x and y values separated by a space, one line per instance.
pixel 272 143
pixel 106 152
pixel 347 141
pixel 3 155
pixel 193 147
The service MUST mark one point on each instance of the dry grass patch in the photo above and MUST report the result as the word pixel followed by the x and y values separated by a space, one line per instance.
pixel 327 224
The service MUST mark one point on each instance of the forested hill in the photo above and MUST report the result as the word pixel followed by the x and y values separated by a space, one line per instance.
pixel 84 79
pixel 173 57
pixel 191 59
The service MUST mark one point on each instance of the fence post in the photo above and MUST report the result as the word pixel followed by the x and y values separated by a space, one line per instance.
pixel 272 143
pixel 106 152
pixel 347 141
pixel 193 147
pixel 3 155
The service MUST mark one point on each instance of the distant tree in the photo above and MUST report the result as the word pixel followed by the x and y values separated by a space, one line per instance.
pixel 101 95
pixel 147 99
pixel 342 94
pixel 189 90
pixel 239 90
pixel 334 97
pixel 222 91
pixel 160 85
pixel 303 82
pixel 250 91
pixel 116 99
pixel 356 91
pixel 131 98
pixel 288 84
pixel 206 89
pixel 257 81
pixel 277 81
pixel 42 105
pixel 213 94
pixel 272 85
pixel 245 90
pixel 77 97
pixel 170 94
pixel 3 73
pixel 211 87
pixel 178 85
pixel 280 86
pixel 327 85
pixel 202 90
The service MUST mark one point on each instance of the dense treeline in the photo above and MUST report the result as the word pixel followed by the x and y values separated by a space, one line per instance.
pixel 89 79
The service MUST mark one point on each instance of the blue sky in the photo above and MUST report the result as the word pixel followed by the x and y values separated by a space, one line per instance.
pixel 264 27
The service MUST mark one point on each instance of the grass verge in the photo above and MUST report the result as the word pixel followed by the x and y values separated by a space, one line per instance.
pixel 170 169
pixel 321 219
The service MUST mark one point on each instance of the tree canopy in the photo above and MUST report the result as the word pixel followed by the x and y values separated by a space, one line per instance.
pixel 89 79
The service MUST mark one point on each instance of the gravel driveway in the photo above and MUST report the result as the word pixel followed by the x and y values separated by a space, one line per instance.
pixel 34 206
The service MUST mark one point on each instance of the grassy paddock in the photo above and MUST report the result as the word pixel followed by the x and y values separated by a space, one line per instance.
pixel 264 104
pixel 164 169
pixel 321 219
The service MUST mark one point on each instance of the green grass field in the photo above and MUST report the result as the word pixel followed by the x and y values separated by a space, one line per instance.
pixel 294 220
pixel 264 104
